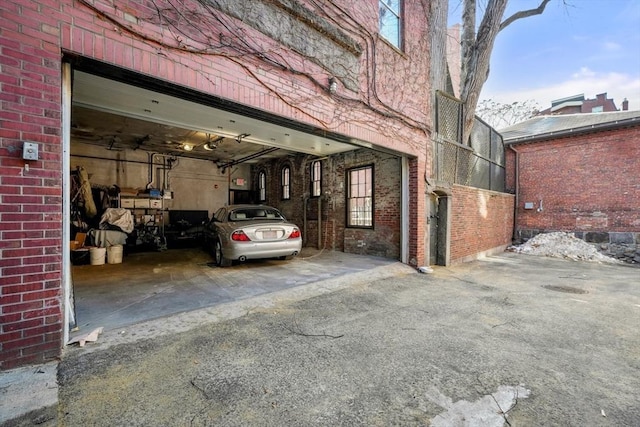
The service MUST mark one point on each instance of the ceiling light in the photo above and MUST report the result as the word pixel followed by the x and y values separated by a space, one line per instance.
pixel 212 144
pixel 187 147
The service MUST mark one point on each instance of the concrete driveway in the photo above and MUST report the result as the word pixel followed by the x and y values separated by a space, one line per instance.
pixel 512 339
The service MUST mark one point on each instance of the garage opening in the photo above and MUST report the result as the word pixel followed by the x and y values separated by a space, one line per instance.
pixel 151 163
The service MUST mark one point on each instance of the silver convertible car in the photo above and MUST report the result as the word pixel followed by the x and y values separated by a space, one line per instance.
pixel 242 232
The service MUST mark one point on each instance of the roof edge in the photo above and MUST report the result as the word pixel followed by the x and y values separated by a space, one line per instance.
pixel 632 121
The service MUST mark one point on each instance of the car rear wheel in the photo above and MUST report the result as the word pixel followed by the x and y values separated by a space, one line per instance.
pixel 221 261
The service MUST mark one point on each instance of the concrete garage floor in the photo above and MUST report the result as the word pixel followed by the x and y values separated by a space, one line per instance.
pixel 150 285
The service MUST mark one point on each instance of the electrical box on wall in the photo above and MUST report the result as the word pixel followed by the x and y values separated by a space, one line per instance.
pixel 30 151
pixel 528 205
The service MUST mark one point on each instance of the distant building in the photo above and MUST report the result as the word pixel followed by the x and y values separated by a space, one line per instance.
pixel 577 104
pixel 577 173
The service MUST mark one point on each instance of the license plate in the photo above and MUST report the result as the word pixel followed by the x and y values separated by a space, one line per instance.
pixel 270 234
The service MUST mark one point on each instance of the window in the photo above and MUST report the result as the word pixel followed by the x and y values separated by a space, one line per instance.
pixel 254 214
pixel 360 197
pixel 390 21
pixel 262 186
pixel 316 178
pixel 285 182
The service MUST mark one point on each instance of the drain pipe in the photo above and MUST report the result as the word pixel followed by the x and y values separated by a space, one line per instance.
pixel 320 222
pixel 517 190
pixel 150 170
pixel 305 200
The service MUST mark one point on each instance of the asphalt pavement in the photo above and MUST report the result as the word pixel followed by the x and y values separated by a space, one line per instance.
pixel 512 340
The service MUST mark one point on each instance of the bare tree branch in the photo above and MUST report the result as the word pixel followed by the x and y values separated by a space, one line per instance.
pixel 524 14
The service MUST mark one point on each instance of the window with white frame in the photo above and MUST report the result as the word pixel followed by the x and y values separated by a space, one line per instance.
pixel 390 23
pixel 262 186
pixel 360 197
pixel 285 182
pixel 316 178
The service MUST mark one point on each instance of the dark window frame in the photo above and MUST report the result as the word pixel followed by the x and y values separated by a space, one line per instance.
pixel 285 182
pixel 349 212
pixel 316 181
pixel 262 186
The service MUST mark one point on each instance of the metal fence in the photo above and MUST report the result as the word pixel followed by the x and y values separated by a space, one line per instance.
pixel 477 164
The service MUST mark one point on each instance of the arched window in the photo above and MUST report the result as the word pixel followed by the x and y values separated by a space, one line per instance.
pixel 285 182
pixel 262 186
pixel 316 178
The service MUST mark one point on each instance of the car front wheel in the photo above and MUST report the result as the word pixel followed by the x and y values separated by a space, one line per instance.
pixel 221 261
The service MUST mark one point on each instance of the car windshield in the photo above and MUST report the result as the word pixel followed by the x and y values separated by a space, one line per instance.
pixel 245 214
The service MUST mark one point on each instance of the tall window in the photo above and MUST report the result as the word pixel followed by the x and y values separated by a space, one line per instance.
pixel 285 182
pixel 360 197
pixel 262 186
pixel 316 178
pixel 390 25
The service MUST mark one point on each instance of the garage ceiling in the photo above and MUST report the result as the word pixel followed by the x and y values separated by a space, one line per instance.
pixel 119 116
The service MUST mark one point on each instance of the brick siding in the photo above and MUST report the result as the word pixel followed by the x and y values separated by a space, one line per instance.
pixel 585 183
pixel 481 222
pixel 33 38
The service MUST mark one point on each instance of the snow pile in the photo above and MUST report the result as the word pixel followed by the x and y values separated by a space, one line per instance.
pixel 562 245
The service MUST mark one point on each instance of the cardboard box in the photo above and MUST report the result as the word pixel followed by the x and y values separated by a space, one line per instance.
pixel 127 203
pixel 128 191
pixel 80 238
pixel 142 203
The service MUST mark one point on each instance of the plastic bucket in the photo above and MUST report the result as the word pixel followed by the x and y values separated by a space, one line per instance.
pixel 97 255
pixel 114 254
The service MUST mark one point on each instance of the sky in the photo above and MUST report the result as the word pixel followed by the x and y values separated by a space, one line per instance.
pixel 575 47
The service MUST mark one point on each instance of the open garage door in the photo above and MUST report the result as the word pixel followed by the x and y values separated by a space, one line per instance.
pixel 172 157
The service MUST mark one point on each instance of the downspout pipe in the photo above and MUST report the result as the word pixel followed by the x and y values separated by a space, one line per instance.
pixel 319 222
pixel 517 190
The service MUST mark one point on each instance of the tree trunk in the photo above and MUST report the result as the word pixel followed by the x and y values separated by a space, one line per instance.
pixel 477 62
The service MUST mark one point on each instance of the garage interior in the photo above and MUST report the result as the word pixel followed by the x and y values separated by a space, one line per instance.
pixel 172 163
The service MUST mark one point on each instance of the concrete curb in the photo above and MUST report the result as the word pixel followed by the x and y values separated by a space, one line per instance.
pixel 27 389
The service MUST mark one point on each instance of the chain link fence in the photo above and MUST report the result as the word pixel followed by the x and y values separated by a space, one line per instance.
pixel 480 163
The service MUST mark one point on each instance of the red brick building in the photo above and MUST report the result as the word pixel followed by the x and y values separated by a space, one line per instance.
pixel 297 104
pixel 578 104
pixel 577 173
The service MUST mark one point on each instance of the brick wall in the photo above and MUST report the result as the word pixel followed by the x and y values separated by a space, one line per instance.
pixel 30 192
pixel 481 222
pixel 383 240
pixel 586 183
pixel 34 36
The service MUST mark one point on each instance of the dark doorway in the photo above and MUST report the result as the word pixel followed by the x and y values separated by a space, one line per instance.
pixel 438 212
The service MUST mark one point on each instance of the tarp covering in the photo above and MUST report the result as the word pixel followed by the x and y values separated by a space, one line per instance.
pixel 117 217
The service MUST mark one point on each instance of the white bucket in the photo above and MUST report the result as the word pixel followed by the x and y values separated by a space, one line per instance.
pixel 114 254
pixel 97 255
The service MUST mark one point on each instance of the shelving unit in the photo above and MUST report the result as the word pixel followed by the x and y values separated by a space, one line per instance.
pixel 149 217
